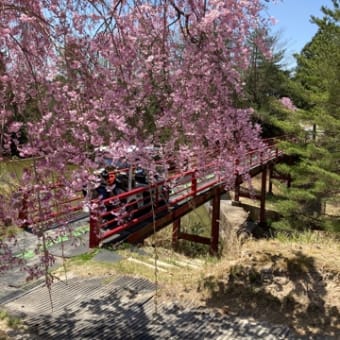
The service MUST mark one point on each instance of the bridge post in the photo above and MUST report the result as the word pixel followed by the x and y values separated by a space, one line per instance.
pixel 194 183
pixel 263 196
pixel 237 182
pixel 176 229
pixel 215 224
pixel 289 181
pixel 270 180
pixel 237 189
pixel 94 228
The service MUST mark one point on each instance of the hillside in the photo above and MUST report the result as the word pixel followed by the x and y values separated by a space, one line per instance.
pixel 290 281
pixel 295 282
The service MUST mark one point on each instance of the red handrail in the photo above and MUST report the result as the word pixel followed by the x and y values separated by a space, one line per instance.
pixel 184 186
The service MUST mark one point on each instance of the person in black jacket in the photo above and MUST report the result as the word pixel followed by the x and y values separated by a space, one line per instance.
pixel 108 188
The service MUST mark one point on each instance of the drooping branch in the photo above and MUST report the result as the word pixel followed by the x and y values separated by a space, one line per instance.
pixel 135 72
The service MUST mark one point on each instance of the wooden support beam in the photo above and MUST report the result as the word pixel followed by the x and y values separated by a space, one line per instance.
pixel 215 223
pixel 176 229
pixel 263 197
pixel 237 189
pixel 270 182
pixel 194 238
pixel 94 238
pixel 248 194
pixel 173 214
pixel 289 181
pixel 279 176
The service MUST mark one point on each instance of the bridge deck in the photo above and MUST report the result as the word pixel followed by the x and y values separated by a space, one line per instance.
pixel 142 211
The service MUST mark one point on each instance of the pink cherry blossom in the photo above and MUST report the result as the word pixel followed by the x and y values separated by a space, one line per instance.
pixel 76 75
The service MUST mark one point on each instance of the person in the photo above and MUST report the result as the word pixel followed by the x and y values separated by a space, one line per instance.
pixel 108 188
pixel 107 185
pixel 140 176
pixel 105 188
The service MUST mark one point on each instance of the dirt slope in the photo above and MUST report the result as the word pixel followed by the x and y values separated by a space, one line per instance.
pixel 289 283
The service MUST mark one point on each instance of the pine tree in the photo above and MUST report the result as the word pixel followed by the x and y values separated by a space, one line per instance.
pixel 266 81
pixel 315 172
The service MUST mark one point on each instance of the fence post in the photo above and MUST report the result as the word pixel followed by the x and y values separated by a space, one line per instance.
pixel 270 179
pixel 95 221
pixel 289 181
pixel 215 224
pixel 237 182
pixel 176 229
pixel 194 183
pixel 263 197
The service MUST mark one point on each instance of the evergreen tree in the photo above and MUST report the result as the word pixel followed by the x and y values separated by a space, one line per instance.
pixel 264 78
pixel 316 177
pixel 266 81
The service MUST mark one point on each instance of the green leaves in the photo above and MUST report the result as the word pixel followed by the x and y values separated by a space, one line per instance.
pixel 315 169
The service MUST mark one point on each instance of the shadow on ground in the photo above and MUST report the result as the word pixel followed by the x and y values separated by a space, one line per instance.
pixel 126 308
pixel 291 291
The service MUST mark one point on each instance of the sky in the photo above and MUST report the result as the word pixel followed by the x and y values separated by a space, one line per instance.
pixel 293 24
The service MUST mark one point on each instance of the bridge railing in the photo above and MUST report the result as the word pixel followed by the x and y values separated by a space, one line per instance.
pixel 258 157
pixel 132 208
pixel 138 206
pixel 48 204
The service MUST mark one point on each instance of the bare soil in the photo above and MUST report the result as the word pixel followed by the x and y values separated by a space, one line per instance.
pixel 290 281
pixel 284 283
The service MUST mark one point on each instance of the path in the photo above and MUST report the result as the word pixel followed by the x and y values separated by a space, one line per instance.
pixel 125 309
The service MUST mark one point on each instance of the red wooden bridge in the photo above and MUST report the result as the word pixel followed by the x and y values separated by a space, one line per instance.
pixel 138 213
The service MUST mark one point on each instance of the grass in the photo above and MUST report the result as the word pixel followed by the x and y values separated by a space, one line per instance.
pixel 170 269
pixel 84 258
pixel 9 232
pixel 332 207
pixel 11 173
pixel 159 247
pixel 308 237
pixel 197 222
pixel 10 321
